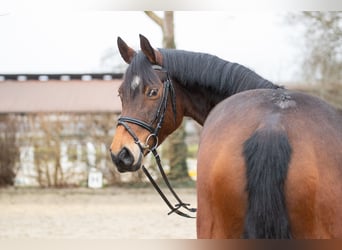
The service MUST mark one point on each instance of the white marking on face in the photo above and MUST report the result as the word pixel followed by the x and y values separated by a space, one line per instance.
pixel 135 150
pixel 135 82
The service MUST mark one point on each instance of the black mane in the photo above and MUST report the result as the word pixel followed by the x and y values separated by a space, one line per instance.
pixel 199 69
pixel 222 78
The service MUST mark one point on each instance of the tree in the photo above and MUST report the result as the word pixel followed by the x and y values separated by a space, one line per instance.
pixel 322 62
pixel 175 147
pixel 167 27
pixel 9 150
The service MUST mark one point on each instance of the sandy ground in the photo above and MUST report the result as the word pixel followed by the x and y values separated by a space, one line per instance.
pixel 111 213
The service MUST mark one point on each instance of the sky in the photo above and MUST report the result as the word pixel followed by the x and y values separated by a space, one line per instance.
pixel 53 41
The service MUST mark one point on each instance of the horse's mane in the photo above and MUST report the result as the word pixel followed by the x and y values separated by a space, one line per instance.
pixel 199 69
pixel 195 70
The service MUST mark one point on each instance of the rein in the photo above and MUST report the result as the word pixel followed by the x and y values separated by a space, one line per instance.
pixel 154 131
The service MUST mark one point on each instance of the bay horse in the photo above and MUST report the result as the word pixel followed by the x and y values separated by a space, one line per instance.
pixel 269 159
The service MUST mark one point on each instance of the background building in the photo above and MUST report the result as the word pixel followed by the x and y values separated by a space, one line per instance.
pixel 61 126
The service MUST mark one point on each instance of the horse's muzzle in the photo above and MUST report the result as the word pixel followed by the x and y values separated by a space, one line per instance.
pixel 125 162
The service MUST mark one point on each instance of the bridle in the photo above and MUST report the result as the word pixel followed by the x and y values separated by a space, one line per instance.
pixel 168 90
pixel 159 117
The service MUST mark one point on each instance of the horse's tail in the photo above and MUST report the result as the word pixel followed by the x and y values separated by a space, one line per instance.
pixel 267 155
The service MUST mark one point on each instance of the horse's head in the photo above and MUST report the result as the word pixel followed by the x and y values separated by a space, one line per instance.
pixel 148 106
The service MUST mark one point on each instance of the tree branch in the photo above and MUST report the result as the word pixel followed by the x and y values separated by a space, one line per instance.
pixel 155 18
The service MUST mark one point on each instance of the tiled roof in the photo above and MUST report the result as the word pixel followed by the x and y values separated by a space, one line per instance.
pixel 59 96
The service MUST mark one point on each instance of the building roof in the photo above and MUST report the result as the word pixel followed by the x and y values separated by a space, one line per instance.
pixel 79 96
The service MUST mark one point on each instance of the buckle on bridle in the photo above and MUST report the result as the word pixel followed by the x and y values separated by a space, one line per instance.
pixel 155 145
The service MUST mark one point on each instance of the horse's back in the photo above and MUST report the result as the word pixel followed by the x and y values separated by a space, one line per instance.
pixel 312 188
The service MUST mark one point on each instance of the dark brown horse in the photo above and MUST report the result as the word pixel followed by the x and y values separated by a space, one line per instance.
pixel 270 159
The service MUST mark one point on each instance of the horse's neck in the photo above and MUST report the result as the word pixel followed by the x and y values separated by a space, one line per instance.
pixel 207 80
pixel 195 103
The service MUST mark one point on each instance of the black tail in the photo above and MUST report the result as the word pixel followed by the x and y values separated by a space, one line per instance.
pixel 267 154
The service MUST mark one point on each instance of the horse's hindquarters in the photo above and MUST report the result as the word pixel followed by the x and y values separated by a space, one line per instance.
pixel 221 198
pixel 221 185
pixel 313 187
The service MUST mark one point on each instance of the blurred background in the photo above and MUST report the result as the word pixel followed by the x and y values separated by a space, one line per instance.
pixel 59 74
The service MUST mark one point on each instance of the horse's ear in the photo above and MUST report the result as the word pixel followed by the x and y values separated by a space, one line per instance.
pixel 126 52
pixel 152 55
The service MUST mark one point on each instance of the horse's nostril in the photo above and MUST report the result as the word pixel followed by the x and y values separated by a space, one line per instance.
pixel 124 160
pixel 125 157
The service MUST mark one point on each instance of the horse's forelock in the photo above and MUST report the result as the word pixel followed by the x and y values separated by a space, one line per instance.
pixel 140 68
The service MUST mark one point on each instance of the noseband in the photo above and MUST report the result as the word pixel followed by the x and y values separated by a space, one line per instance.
pixel 168 90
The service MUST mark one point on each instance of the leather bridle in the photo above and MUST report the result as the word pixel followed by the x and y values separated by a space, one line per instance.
pixel 159 117
pixel 168 90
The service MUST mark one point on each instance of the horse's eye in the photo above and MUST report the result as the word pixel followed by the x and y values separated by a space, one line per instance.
pixel 152 93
